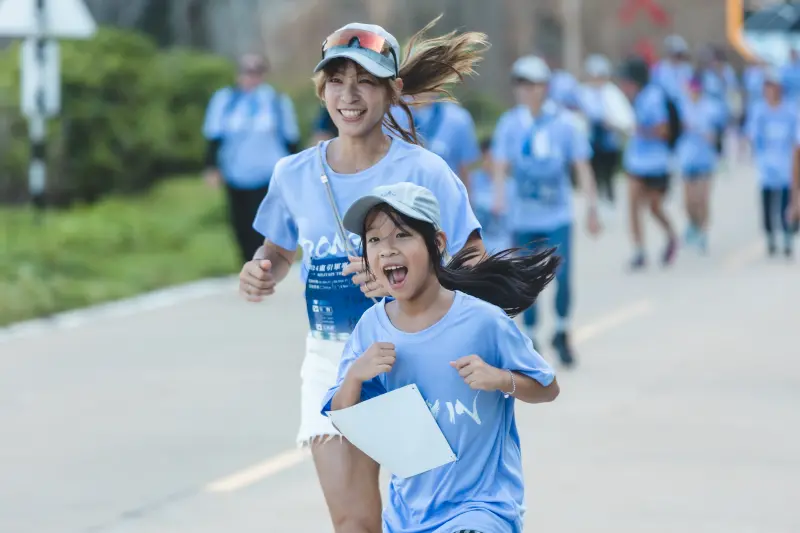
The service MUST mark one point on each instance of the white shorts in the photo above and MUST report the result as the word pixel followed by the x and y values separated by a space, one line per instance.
pixel 318 374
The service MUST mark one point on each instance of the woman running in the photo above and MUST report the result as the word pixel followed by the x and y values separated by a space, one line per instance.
pixel 538 151
pixel 449 332
pixel 647 159
pixel 772 129
pixel 697 157
pixel 359 78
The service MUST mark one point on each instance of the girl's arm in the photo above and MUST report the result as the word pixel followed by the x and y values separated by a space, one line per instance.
pixel 348 395
pixel 480 375
pixel 529 390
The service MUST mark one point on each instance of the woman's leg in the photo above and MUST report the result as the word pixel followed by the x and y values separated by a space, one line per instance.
pixel 766 209
pixel 350 484
pixel 635 198
pixel 348 477
pixel 655 197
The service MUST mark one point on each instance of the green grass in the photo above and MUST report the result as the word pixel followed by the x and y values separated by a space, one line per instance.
pixel 114 249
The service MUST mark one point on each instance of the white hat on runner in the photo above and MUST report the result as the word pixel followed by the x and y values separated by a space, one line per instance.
pixel 369 45
pixel 531 68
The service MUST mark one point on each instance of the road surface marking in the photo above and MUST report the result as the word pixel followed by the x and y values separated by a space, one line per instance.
pixel 288 459
pixel 253 474
pixel 612 320
pixel 744 256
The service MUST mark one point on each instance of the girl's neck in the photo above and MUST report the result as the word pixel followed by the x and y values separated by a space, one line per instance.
pixel 424 310
pixel 349 155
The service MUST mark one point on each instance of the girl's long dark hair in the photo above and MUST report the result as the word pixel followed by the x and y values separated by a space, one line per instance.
pixel 508 279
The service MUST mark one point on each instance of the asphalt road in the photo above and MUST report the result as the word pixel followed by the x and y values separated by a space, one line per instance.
pixel 683 414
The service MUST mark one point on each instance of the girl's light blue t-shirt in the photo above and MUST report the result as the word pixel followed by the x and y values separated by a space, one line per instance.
pixel 483 489
pixel 296 213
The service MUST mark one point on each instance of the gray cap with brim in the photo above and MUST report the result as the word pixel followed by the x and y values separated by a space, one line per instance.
pixel 409 199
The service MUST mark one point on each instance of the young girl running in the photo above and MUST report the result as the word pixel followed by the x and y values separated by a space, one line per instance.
pixel 449 331
pixel 360 77
pixel 697 157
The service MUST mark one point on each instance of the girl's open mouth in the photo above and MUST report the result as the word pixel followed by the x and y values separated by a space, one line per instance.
pixel 396 276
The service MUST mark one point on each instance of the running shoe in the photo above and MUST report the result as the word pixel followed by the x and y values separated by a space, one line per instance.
pixel 563 348
pixel 670 252
pixel 638 262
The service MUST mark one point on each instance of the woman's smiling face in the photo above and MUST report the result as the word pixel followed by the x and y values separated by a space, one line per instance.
pixel 356 100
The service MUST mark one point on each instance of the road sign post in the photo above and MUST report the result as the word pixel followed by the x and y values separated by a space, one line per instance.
pixel 40 23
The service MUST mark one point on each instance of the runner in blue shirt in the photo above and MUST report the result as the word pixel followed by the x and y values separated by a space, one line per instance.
pixel 536 146
pixel 361 75
pixel 448 331
pixel 697 157
pixel 772 129
pixel 249 127
pixel 647 159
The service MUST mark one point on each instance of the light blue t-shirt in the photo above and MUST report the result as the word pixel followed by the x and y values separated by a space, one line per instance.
pixel 446 129
pixel 717 85
pixel 648 156
pixel 256 128
pixel 753 81
pixel 483 490
pixel 495 228
pixel 790 79
pixel 772 132
pixel 673 78
pixel 540 157
pixel 296 212
pixel 696 154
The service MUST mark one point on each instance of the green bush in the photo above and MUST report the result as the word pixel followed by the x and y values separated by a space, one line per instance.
pixel 130 114
pixel 115 248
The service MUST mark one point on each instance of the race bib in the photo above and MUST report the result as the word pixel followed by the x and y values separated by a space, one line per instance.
pixel 333 302
pixel 540 181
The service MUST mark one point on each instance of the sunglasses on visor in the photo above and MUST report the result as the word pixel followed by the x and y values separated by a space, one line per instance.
pixel 366 40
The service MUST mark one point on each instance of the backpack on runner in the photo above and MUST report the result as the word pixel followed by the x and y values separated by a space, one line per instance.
pixel 674 122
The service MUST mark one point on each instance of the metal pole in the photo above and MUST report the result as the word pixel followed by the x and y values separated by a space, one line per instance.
pixel 37 173
pixel 572 11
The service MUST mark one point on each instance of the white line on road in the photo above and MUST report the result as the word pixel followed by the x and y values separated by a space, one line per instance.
pixel 612 320
pixel 257 472
pixel 288 459
pixel 742 257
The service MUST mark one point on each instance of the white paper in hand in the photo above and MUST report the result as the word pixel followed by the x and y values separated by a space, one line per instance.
pixel 397 430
